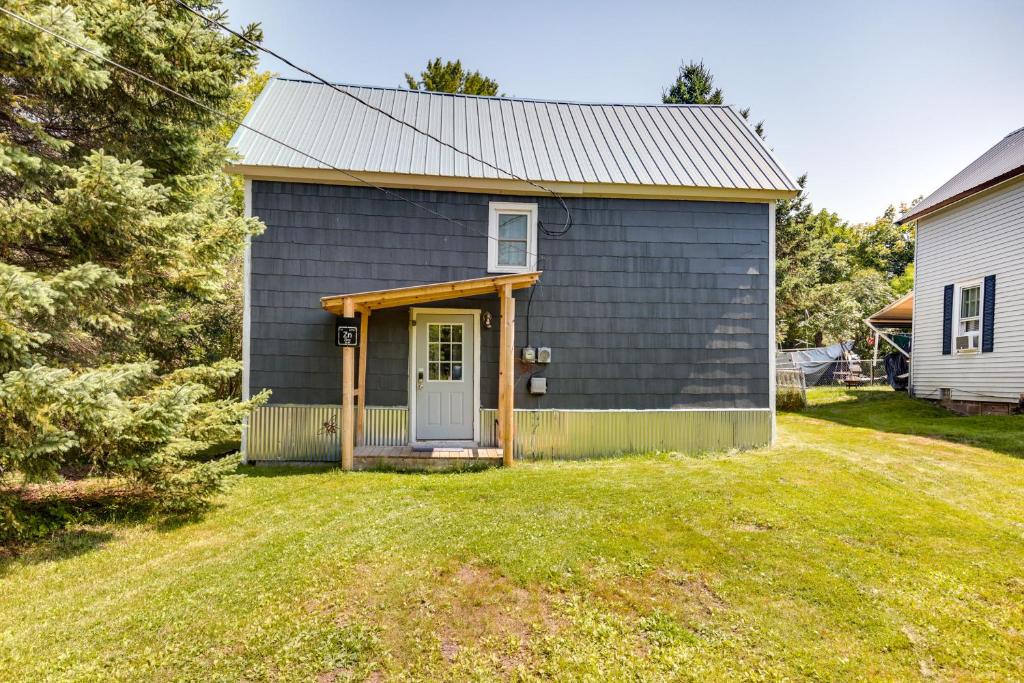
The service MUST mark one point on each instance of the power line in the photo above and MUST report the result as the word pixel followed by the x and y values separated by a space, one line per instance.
pixel 242 124
pixel 257 46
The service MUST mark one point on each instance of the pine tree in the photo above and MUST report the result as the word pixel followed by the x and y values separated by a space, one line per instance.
pixel 695 84
pixel 117 228
pixel 453 78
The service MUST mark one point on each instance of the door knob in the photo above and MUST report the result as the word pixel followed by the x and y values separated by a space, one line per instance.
pixel 419 379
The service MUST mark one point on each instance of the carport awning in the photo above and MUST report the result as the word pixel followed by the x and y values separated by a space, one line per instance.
pixel 422 294
pixel 899 313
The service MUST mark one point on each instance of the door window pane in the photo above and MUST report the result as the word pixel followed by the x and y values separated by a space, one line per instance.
pixel 444 352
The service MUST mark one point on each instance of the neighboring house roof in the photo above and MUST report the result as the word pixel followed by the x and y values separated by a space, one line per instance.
pixel 705 146
pixel 1004 161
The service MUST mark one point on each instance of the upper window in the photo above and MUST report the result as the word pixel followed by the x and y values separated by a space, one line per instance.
pixel 512 247
pixel 968 333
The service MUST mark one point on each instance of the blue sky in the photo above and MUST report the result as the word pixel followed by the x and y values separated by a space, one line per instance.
pixel 879 102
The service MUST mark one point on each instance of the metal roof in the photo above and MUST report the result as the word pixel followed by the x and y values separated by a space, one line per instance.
pixel 1004 161
pixel 706 146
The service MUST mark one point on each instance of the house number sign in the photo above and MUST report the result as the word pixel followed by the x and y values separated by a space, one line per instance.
pixel 347 332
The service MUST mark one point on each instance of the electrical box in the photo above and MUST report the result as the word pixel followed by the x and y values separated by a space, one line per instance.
pixel 538 385
pixel 544 354
pixel 529 354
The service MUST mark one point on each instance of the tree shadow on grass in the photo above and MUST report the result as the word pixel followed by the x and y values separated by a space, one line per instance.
pixel 61 545
pixel 895 412
pixel 262 471
pixel 54 522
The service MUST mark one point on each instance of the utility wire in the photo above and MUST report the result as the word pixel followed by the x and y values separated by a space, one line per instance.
pixel 224 27
pixel 242 124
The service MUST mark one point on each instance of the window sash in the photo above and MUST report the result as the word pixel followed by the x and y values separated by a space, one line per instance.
pixel 970 302
pixel 512 236
pixel 969 317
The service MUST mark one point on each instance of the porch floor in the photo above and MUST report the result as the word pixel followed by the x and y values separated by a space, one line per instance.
pixel 405 458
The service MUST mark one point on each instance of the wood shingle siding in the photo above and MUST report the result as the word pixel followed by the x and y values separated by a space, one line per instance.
pixel 645 303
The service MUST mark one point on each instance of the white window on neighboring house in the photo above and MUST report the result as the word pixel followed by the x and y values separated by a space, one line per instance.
pixel 512 229
pixel 968 317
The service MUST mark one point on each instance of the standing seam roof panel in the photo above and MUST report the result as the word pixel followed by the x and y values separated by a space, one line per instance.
pixel 601 144
pixel 732 150
pixel 633 156
pixel 698 153
pixel 538 145
pixel 653 160
pixel 310 126
pixel 557 160
pixel 768 163
pixel 658 145
pixel 682 151
pixel 588 145
pixel 748 152
pixel 661 143
pixel 566 152
pixel 373 121
pixel 629 164
pixel 470 134
pixel 702 125
pixel 352 124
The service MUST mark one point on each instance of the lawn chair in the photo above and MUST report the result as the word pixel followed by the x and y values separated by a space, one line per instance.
pixel 854 375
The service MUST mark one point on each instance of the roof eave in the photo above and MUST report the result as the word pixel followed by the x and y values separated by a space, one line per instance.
pixel 501 185
pixel 966 194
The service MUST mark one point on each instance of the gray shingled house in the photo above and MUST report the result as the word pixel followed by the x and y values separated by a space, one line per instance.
pixel 408 300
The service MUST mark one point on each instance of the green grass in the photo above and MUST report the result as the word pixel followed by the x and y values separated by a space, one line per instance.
pixel 881 539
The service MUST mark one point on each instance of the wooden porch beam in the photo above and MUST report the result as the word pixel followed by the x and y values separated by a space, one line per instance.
pixel 403 296
pixel 348 366
pixel 506 375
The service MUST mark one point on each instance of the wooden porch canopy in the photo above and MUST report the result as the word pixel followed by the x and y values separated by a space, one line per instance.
pixel 348 305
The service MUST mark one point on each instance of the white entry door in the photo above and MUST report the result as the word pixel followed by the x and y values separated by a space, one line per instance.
pixel 444 378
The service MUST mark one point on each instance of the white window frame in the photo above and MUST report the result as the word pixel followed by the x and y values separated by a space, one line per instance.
pixel 957 321
pixel 525 209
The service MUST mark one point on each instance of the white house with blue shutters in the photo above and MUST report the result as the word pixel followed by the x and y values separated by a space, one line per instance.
pixel 969 285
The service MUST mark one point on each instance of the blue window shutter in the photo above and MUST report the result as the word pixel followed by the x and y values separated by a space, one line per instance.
pixel 947 321
pixel 988 314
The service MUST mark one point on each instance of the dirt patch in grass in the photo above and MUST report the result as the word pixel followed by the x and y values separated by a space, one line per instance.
pixel 688 595
pixel 460 617
pixel 486 616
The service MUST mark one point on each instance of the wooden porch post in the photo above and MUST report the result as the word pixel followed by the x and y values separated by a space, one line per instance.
pixel 348 366
pixel 364 323
pixel 506 375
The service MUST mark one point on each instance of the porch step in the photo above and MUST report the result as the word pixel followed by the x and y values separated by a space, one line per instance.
pixel 405 459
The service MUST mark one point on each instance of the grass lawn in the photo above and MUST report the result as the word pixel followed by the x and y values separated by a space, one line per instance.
pixel 880 539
